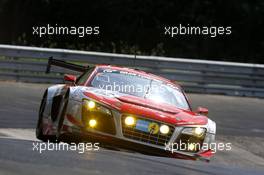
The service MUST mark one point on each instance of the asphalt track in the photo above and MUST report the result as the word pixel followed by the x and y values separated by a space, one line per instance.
pixel 239 121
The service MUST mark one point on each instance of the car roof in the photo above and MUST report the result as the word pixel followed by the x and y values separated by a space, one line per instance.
pixel 139 72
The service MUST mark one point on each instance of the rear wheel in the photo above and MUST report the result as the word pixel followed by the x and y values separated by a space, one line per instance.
pixel 39 128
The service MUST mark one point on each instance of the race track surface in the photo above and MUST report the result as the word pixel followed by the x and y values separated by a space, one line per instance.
pixel 239 121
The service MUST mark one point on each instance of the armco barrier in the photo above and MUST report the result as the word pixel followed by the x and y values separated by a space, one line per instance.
pixel 28 64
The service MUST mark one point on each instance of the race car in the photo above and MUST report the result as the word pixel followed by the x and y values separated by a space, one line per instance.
pixel 126 108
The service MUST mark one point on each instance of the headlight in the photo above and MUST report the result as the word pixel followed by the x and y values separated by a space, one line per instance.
pixel 98 117
pixel 194 131
pixel 191 147
pixel 198 131
pixel 191 139
pixel 92 112
pixel 164 129
pixel 89 105
pixel 130 121
pixel 92 123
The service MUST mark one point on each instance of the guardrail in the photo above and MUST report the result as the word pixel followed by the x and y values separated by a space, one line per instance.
pixel 28 64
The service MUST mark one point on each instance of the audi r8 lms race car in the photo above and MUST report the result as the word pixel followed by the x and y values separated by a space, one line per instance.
pixel 126 108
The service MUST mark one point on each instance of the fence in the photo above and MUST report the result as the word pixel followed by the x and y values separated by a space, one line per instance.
pixel 28 64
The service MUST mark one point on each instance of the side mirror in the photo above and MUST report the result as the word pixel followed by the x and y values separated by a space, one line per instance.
pixel 202 111
pixel 69 79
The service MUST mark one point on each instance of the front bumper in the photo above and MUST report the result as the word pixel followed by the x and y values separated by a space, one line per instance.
pixel 138 146
pixel 114 142
pixel 119 139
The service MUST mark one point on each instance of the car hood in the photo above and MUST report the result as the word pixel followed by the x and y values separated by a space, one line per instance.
pixel 148 104
pixel 146 108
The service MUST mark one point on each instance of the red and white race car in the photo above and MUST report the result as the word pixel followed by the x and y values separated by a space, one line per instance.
pixel 127 108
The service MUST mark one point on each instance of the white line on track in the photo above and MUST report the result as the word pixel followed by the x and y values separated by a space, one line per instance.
pixel 15 133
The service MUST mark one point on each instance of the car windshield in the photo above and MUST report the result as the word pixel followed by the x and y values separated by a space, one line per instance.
pixel 140 86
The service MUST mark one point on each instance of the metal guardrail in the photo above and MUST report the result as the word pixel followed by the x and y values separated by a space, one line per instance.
pixel 195 75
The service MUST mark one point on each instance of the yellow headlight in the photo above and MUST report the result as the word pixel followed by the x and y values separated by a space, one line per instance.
pixel 92 123
pixel 91 104
pixel 164 129
pixel 198 131
pixel 130 121
pixel 191 146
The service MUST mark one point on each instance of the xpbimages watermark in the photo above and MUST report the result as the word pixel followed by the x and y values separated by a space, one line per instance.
pixel 183 146
pixel 212 31
pixel 80 31
pixel 50 146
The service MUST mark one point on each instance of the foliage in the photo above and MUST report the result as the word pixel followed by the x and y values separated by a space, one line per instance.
pixel 137 26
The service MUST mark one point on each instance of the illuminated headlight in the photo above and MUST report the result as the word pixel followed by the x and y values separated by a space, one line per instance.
pixel 198 131
pixel 164 129
pixel 97 116
pixel 130 121
pixel 90 105
pixel 191 147
pixel 92 123
pixel 194 131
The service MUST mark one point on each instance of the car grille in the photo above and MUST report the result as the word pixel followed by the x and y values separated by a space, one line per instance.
pixel 157 139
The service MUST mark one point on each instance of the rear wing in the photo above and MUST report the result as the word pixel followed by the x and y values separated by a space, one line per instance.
pixel 66 65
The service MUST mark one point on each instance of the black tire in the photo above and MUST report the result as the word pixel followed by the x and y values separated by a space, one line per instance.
pixel 39 128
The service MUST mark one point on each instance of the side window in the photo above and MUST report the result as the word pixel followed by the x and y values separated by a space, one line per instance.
pixel 83 78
